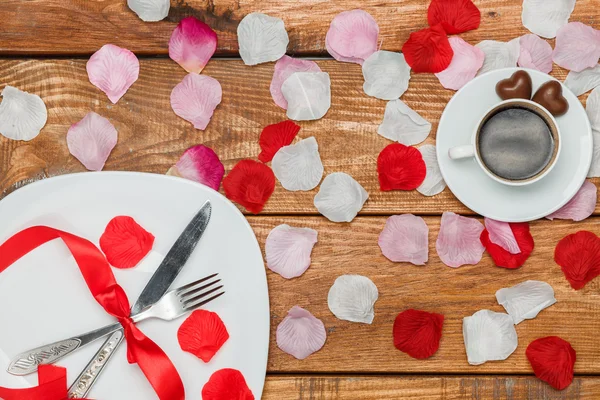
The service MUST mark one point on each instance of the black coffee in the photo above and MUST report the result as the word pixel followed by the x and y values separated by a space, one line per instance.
pixel 516 144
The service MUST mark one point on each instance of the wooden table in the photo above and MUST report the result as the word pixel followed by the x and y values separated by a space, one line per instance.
pixel 44 45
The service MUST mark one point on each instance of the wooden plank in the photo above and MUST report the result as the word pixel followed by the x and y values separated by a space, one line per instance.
pixel 83 26
pixel 424 388
pixel 456 293
pixel 152 137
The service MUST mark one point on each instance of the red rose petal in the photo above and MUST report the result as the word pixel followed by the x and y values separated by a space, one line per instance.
pixel 552 360
pixel 125 243
pixel 456 16
pixel 400 167
pixel 273 137
pixel 503 258
pixel 428 50
pixel 250 184
pixel 418 333
pixel 578 255
pixel 202 334
pixel 226 384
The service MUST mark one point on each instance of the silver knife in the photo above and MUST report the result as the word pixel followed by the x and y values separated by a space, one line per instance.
pixel 27 362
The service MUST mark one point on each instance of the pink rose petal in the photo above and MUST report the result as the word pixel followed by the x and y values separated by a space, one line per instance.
pixel 200 164
pixel 577 47
pixel 195 99
pixel 405 238
pixel 91 140
pixel 352 36
pixel 581 206
pixel 501 234
pixel 113 70
pixel 536 53
pixel 300 333
pixel 467 60
pixel 458 241
pixel 284 68
pixel 192 44
pixel 288 250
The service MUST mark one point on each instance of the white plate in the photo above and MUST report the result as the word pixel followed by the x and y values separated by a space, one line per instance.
pixel 491 199
pixel 43 297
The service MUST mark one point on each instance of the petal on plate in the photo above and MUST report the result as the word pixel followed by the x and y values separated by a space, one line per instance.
pixel 275 136
pixel 22 114
pixel 502 257
pixel 300 333
pixel 200 164
pixel 489 336
pixel 578 255
pixel 203 333
pixel 192 44
pixel 288 250
pixel 91 140
pixel 501 234
pixel 284 68
pixel 592 108
pixel 418 333
pixel 195 99
pixel 340 197
pixel 499 54
pixel 113 70
pixel 150 10
pixel 546 17
pixel 456 16
pixel 584 81
pixel 581 206
pixel 227 384
pixel 402 124
pixel 577 47
pixel 595 167
pixel 352 298
pixel 250 183
pixel 261 38
pixel 298 166
pixel 400 167
pixel 535 53
pixel 467 60
pixel 308 95
pixel 428 50
pixel 352 36
pixel 434 182
pixel 458 242
pixel 526 300
pixel 386 75
pixel 125 243
pixel 405 238
pixel 553 361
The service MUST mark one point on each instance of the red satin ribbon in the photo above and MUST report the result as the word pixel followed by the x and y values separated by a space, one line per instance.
pixel 152 360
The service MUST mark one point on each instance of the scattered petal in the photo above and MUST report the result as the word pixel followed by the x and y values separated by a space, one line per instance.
pixel 352 298
pixel 22 114
pixel 298 166
pixel 113 70
pixel 405 238
pixel 595 167
pixel 458 242
pixel 386 75
pixel 504 258
pixel 456 16
pixel 250 184
pixel 467 60
pixel 261 38
pixel 288 250
pixel 434 182
pixel 192 44
pixel 578 255
pixel 592 108
pixel 500 233
pixel 546 17
pixel 418 333
pixel 526 300
pixel 300 333
pixel 150 10
pixel 577 47
pixel 535 53
pixel 226 384
pixel 308 95
pixel 428 50
pixel 584 81
pixel 400 167
pixel 203 333
pixel 403 124
pixel 91 140
pixel 489 336
pixel 200 164
pixel 195 99
pixel 284 68
pixel 499 54
pixel 274 137
pixel 553 361
pixel 340 197
pixel 352 36
pixel 125 243
pixel 581 206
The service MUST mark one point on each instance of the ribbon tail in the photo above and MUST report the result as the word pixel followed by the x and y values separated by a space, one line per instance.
pixel 52 386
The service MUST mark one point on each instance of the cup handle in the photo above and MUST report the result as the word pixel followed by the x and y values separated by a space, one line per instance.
pixel 459 152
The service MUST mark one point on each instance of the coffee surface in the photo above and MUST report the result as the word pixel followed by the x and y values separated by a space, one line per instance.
pixel 516 144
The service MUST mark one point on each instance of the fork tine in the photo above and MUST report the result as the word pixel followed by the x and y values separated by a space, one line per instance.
pixel 196 305
pixel 195 290
pixel 192 299
pixel 190 285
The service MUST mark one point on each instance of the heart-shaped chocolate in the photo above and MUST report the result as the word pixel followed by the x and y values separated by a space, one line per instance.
pixel 550 96
pixel 518 86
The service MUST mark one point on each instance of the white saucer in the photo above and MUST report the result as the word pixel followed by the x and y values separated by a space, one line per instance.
pixel 494 200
